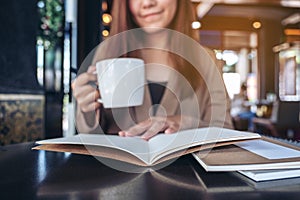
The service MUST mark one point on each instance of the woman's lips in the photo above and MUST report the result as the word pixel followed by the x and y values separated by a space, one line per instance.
pixel 147 15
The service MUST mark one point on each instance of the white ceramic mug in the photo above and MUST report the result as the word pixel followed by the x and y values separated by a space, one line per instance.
pixel 121 82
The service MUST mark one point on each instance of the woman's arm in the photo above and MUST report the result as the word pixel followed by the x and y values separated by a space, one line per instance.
pixel 86 95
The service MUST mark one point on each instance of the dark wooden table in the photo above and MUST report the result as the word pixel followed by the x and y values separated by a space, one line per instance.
pixel 30 174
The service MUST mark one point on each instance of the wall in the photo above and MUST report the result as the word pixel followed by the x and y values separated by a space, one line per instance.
pixel 268 36
pixel 271 35
pixel 21 98
pixel 89 26
pixel 17 50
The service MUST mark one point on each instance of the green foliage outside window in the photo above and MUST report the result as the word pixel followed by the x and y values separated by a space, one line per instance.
pixel 51 22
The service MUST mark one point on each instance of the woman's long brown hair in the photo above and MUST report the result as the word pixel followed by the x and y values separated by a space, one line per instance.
pixel 123 21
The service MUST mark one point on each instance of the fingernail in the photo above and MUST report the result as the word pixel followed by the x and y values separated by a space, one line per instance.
pixel 169 131
pixel 121 133
pixel 145 138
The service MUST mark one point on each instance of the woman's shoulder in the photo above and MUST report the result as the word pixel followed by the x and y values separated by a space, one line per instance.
pixel 209 51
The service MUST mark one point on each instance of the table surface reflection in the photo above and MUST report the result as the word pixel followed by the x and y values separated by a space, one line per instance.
pixel 31 174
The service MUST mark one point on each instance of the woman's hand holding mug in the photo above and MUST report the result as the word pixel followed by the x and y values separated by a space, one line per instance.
pixel 85 93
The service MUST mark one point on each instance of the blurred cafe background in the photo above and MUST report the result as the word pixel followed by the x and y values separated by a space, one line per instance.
pixel 43 43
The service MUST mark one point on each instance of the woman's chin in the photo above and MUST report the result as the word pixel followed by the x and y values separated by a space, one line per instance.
pixel 153 29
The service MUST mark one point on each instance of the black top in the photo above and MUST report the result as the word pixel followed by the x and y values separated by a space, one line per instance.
pixel 157 90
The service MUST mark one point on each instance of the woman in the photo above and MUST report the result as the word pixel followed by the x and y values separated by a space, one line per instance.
pixel 184 89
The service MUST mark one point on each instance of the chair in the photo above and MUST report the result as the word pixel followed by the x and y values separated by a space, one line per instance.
pixel 285 119
pixel 240 124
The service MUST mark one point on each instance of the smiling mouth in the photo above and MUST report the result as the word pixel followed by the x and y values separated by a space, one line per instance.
pixel 151 14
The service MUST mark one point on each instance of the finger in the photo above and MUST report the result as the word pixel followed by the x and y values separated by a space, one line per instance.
pixel 89 101
pixel 135 130
pixel 89 97
pixel 156 127
pixel 171 127
pixel 91 69
pixel 122 133
pixel 91 107
pixel 171 130
pixel 83 79
pixel 138 129
pixel 83 91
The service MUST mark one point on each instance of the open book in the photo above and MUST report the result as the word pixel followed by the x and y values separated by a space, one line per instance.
pixel 137 151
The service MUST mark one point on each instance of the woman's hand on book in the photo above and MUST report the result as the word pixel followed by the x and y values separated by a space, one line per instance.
pixel 155 125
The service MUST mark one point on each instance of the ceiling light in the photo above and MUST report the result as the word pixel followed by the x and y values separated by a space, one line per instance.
pixel 292 3
pixel 256 25
pixel 104 6
pixel 106 18
pixel 105 33
pixel 196 25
